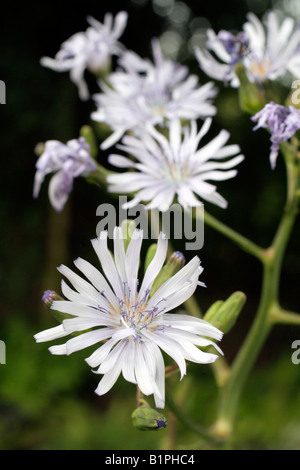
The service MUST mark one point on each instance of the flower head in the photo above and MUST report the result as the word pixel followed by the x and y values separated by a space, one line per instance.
pixel 282 122
pixel 166 168
pixel 135 322
pixel 67 161
pixel 91 50
pixel 267 53
pixel 236 46
pixel 142 92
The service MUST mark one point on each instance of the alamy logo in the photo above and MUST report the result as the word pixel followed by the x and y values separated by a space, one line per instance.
pixel 2 352
pixel 2 92
pixel 296 354
pixel 296 94
pixel 176 222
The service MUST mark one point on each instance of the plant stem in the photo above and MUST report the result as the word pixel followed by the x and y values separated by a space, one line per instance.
pixel 280 315
pixel 187 421
pixel 99 176
pixel 243 242
pixel 272 265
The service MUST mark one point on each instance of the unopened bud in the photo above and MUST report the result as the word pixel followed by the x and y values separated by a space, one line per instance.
pixel 145 418
pixel 128 227
pixel 172 266
pixel 251 96
pixel 90 138
pixel 213 309
pixel 150 255
pixel 223 315
pixel 39 149
pixel 48 298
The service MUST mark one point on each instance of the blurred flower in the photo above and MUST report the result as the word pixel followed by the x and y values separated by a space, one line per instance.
pixel 135 324
pixel 282 122
pixel 174 167
pixel 67 161
pixel 143 92
pixel 266 52
pixel 90 50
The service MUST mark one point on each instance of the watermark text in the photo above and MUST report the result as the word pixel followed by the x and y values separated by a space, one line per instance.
pixel 296 354
pixel 176 222
pixel 2 352
pixel 2 92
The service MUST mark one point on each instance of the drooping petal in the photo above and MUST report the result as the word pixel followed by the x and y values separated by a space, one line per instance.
pixel 50 334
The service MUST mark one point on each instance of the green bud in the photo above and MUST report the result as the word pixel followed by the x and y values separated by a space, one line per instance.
pixel 48 298
pixel 172 266
pixel 252 96
pixel 223 315
pixel 213 309
pixel 128 227
pixel 150 255
pixel 39 149
pixel 145 418
pixel 88 133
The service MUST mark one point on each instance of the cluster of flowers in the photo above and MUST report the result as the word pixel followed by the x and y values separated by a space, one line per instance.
pixel 152 108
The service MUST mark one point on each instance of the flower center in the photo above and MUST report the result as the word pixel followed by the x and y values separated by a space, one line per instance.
pixel 136 314
pixel 259 69
pixel 153 101
pixel 177 172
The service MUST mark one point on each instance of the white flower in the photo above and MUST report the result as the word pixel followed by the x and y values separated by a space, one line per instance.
pixel 272 50
pixel 144 92
pixel 174 167
pixel 67 161
pixel 134 324
pixel 91 50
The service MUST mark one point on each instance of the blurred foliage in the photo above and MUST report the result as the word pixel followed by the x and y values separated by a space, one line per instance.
pixel 48 402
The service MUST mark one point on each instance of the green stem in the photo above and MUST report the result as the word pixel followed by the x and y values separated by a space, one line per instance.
pixel 280 315
pixel 246 357
pixel 187 421
pixel 243 242
pixel 272 265
pixel 98 177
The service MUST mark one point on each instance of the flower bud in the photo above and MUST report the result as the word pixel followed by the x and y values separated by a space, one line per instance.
pixel 150 255
pixel 147 419
pixel 48 298
pixel 251 96
pixel 128 227
pixel 173 265
pixel 213 309
pixel 223 315
pixel 39 149
pixel 90 138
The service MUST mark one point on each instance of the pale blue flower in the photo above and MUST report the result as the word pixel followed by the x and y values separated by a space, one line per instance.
pixel 163 168
pixel 267 51
pixel 282 122
pixel 236 46
pixel 91 50
pixel 67 161
pixel 141 92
